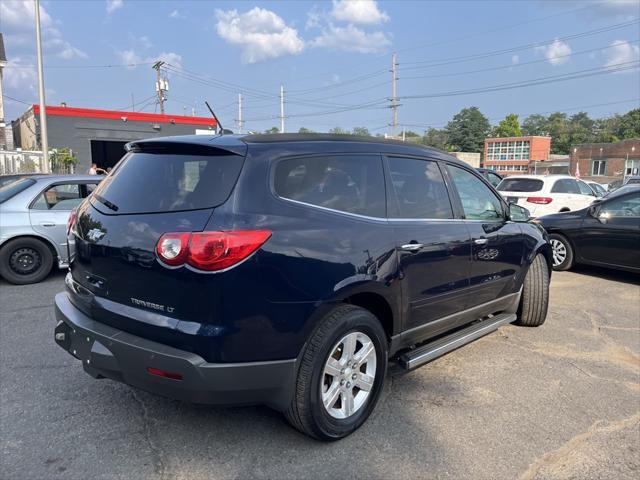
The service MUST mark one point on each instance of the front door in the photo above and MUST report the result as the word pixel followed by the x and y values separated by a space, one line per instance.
pixel 497 244
pixel 433 247
pixel 612 236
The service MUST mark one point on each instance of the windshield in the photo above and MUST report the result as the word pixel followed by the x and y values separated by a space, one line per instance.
pixel 161 182
pixel 520 185
pixel 14 188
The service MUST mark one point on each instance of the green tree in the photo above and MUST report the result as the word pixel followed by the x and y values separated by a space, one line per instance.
pixel 436 138
pixel 580 128
pixel 305 130
pixel 629 126
pixel 273 130
pixel 535 124
pixel 338 130
pixel 467 130
pixel 509 127
pixel 361 131
pixel 62 160
pixel 410 133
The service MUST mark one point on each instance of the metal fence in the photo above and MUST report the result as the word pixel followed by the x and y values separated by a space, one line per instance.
pixel 29 161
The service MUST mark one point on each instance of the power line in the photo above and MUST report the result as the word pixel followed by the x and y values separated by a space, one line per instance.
pixel 538 81
pixel 490 69
pixel 16 100
pixel 477 56
pixel 112 65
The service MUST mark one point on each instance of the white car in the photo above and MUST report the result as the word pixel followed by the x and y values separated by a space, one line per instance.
pixel 600 190
pixel 544 194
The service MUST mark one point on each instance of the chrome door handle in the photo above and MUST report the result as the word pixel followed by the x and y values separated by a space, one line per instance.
pixel 480 241
pixel 412 247
pixel 47 224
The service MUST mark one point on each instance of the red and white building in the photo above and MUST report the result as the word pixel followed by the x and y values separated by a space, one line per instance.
pixel 514 155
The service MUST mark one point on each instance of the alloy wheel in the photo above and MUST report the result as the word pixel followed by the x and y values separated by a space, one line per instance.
pixel 559 251
pixel 349 375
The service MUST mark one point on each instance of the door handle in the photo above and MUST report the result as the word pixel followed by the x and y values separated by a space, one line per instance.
pixel 480 241
pixel 412 247
pixel 47 224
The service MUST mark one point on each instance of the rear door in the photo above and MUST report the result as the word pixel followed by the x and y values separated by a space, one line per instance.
pixel 433 246
pixel 566 195
pixel 49 211
pixel 497 244
pixel 612 236
pixel 150 193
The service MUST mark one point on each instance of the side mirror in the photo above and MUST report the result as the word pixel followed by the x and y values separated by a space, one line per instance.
pixel 518 213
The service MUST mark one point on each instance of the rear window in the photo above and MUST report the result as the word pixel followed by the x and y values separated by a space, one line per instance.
pixel 14 188
pixel 157 182
pixel 520 185
pixel 349 183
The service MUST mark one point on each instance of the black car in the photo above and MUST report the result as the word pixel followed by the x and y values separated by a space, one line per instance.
pixel 288 269
pixel 493 177
pixel 605 234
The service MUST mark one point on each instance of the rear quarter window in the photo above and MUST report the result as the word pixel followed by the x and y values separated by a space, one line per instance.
pixel 161 182
pixel 347 183
pixel 520 185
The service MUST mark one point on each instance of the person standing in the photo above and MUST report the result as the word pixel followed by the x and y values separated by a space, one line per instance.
pixel 93 170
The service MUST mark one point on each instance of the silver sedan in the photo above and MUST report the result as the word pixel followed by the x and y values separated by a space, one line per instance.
pixel 34 212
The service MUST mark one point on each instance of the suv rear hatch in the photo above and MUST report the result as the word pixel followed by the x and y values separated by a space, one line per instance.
pixel 158 187
pixel 517 190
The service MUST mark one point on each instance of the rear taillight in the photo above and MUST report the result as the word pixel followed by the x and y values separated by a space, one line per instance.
pixel 539 200
pixel 72 220
pixel 209 251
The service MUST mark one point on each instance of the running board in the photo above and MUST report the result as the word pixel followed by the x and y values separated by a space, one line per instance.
pixel 430 351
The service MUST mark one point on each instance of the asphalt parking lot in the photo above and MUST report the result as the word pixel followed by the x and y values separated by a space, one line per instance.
pixel 560 401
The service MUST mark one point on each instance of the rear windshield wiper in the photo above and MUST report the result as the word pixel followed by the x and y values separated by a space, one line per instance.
pixel 106 202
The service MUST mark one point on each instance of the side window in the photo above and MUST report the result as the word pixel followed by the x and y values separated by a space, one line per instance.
pixel 624 206
pixel 478 201
pixel 493 179
pixel 88 189
pixel 565 185
pixel 585 189
pixel 419 189
pixel 59 197
pixel 349 183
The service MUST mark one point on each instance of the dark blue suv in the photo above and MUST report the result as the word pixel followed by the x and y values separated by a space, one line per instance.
pixel 289 270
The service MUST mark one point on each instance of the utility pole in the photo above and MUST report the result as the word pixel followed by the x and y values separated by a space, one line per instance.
pixel 281 109
pixel 44 139
pixel 240 122
pixel 161 85
pixel 394 95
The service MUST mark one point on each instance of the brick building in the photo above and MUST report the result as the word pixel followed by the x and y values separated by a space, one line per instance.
pixel 513 155
pixel 605 162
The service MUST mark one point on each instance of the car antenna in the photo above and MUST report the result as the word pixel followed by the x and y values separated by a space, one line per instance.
pixel 218 124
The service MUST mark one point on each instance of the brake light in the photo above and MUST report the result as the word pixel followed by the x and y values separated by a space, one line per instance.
pixel 72 220
pixel 209 251
pixel 540 200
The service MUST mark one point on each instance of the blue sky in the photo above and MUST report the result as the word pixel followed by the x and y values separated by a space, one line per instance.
pixel 333 58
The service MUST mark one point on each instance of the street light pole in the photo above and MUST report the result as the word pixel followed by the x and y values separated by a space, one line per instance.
pixel 44 140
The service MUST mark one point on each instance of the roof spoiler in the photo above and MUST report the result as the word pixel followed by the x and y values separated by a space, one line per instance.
pixel 190 145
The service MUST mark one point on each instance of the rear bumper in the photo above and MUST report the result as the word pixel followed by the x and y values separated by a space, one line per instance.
pixel 111 353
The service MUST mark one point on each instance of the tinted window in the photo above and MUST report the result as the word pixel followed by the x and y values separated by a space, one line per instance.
pixel 520 185
pixel 419 189
pixel 493 179
pixel 585 189
pixel 623 206
pixel 59 197
pixel 350 183
pixel 156 182
pixel 478 201
pixel 565 185
pixel 15 188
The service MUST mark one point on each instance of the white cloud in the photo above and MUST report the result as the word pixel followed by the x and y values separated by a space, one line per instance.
pixel 515 59
pixel 177 14
pixel 314 18
pixel 62 49
pixel 557 53
pixel 621 52
pixel 358 11
pixel 260 33
pixel 351 39
pixel 20 15
pixel 113 5
pixel 20 73
pixel 132 58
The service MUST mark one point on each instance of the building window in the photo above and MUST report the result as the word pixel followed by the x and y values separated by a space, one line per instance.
pixel 599 167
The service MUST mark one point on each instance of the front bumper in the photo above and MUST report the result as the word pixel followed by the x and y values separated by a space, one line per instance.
pixel 118 355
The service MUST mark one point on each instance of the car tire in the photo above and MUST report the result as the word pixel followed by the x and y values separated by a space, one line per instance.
pixel 534 302
pixel 25 260
pixel 315 387
pixel 561 252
